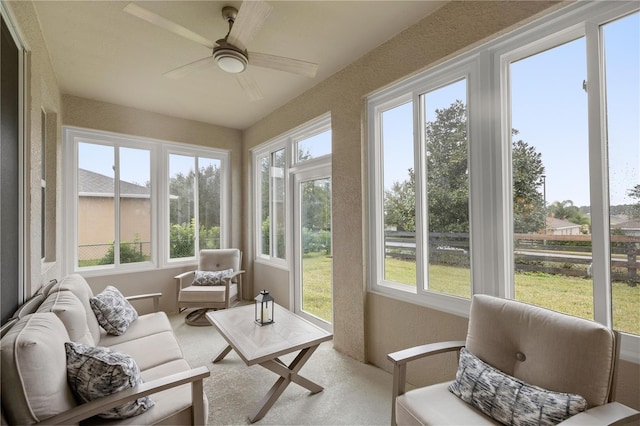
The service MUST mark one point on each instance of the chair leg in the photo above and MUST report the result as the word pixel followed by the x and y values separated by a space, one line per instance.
pixel 197 318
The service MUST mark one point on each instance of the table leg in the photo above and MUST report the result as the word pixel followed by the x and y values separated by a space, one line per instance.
pixel 222 354
pixel 287 375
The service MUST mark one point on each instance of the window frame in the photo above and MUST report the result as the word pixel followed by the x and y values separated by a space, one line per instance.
pixel 159 151
pixel 412 90
pixel 490 160
pixel 289 142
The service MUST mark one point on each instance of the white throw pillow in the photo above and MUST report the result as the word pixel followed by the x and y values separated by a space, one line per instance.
pixel 94 372
pixel 113 312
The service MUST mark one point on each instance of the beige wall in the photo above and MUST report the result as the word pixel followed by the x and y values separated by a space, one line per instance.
pixel 42 94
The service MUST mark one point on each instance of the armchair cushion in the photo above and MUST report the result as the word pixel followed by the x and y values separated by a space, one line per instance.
pixel 94 372
pixel 113 312
pixel 207 278
pixel 509 400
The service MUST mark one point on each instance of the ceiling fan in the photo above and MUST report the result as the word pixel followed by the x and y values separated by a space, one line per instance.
pixel 230 53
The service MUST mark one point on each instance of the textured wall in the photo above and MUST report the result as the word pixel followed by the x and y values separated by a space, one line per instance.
pixel 454 27
pixel 43 94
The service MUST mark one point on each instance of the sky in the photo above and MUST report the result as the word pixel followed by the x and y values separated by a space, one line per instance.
pixel 549 109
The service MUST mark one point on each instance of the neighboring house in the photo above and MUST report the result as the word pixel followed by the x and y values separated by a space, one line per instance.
pixel 630 227
pixel 562 227
pixel 96 222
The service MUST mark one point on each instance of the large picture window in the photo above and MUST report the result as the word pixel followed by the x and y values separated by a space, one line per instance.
pixel 514 170
pixel 120 214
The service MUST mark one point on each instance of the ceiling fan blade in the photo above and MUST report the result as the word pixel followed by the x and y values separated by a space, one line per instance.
pixel 295 66
pixel 152 18
pixel 249 86
pixel 251 17
pixel 183 70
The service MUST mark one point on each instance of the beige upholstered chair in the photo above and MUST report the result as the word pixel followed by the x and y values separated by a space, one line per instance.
pixel 208 297
pixel 537 346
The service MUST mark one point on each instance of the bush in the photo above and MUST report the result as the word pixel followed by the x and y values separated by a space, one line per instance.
pixel 128 253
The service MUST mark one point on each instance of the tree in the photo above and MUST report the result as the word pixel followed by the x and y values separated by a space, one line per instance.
pixel 635 208
pixel 400 205
pixel 447 170
pixel 565 210
pixel 529 213
pixel 181 188
pixel 448 180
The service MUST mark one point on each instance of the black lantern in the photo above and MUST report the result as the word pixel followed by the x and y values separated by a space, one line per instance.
pixel 264 308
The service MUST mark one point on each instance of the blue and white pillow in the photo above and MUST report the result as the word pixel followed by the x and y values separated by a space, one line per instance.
pixel 94 372
pixel 113 312
pixel 211 277
pixel 509 400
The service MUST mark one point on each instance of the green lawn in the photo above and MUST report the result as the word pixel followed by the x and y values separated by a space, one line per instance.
pixel 572 295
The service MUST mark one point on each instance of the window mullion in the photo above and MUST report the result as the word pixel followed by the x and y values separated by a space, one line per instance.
pixel 421 195
pixel 196 207
pixel 116 205
pixel 598 177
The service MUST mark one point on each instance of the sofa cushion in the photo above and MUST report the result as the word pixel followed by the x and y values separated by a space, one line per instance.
pixel 145 325
pixel 173 406
pixel 76 284
pixel 34 376
pixel 113 312
pixel 509 400
pixel 435 405
pixel 94 372
pixel 150 351
pixel 206 294
pixel 211 277
pixel 66 306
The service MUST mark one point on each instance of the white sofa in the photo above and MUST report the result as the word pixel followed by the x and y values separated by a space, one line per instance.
pixel 34 373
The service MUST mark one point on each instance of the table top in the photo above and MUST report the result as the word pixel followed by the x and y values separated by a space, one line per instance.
pixel 255 343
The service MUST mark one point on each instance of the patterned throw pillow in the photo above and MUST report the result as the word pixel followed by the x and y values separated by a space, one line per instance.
pixel 94 372
pixel 509 400
pixel 113 312
pixel 211 277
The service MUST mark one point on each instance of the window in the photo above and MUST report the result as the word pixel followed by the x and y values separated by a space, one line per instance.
pixel 272 205
pixel 551 202
pixel 113 205
pixel 188 189
pixel 120 214
pixel 273 161
pixel 421 214
pixel 513 170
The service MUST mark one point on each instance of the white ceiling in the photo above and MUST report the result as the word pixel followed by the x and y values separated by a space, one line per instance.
pixel 100 52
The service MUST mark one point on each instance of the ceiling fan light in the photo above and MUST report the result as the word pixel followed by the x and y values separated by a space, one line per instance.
pixel 230 60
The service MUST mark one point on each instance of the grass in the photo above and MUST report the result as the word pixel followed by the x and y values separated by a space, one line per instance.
pixel 316 293
pixel 572 295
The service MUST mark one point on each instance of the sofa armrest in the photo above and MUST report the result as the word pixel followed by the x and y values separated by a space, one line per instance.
pixel 90 409
pixel 154 296
pixel 612 413
pixel 401 358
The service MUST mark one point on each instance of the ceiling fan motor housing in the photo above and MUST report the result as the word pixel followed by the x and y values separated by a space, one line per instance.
pixel 229 58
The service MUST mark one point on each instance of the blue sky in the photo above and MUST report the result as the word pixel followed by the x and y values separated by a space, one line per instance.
pixel 549 108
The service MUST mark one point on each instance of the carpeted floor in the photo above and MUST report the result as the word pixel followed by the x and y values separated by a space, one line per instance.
pixel 354 393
